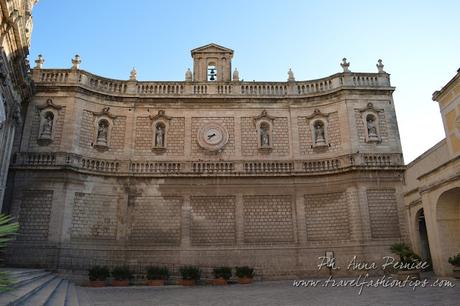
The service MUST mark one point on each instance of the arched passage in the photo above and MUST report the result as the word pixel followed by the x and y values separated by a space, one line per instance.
pixel 423 235
pixel 448 223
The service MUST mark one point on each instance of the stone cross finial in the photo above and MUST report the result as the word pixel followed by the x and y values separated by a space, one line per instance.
pixel 236 75
pixel 76 61
pixel 39 61
pixel 345 65
pixel 380 66
pixel 188 75
pixel 133 75
pixel 291 77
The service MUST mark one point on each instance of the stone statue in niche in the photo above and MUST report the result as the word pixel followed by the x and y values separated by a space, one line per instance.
pixel 102 132
pixel 264 136
pixel 319 133
pixel 371 128
pixel 160 136
pixel 47 126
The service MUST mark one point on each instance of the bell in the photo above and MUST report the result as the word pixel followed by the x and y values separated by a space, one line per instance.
pixel 212 74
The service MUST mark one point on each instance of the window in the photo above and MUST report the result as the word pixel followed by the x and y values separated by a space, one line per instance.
pixel 212 72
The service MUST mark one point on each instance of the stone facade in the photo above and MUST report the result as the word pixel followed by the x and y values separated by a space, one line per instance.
pixel 432 188
pixel 16 90
pixel 210 172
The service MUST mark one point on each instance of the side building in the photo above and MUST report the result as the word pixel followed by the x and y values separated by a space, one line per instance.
pixel 432 188
pixel 209 171
pixel 15 89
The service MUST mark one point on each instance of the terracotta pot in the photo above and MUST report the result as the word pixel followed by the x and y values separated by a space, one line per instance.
pixel 120 283
pixel 155 282
pixel 97 283
pixel 456 272
pixel 187 282
pixel 219 281
pixel 245 280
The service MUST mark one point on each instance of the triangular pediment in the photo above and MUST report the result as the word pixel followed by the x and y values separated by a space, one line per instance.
pixel 212 48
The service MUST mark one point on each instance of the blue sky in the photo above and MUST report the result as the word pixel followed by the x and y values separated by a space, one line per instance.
pixel 417 40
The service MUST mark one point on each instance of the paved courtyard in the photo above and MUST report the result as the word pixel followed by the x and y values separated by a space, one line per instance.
pixel 272 293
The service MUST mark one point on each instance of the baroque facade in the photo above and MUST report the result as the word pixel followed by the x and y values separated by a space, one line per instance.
pixel 209 171
pixel 15 89
pixel 432 188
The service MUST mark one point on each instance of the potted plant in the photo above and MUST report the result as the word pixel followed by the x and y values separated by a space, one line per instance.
pixel 190 275
pixel 244 274
pixel 98 275
pixel 408 260
pixel 121 276
pixel 156 276
pixel 221 275
pixel 455 261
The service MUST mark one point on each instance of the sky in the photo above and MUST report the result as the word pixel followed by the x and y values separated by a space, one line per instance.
pixel 418 42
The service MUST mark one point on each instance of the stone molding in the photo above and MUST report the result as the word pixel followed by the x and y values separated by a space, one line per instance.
pixel 112 87
pixel 97 166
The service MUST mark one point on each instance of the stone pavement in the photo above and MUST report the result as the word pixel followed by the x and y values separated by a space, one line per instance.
pixel 267 293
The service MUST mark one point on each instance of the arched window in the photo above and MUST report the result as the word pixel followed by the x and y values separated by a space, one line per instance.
pixel 212 72
pixel 319 133
pixel 102 133
pixel 160 135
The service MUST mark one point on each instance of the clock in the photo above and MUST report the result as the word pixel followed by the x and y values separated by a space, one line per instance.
pixel 212 137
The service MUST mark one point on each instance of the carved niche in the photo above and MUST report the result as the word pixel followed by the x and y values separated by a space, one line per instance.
pixel 48 114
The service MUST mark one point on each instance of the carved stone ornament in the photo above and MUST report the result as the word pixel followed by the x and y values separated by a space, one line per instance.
pixel 317 113
pixel 161 115
pixel 263 116
pixel 49 104
pixel 370 117
pixel 370 107
pixel 105 112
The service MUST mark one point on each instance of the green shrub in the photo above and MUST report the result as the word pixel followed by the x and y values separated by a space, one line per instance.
pixel 7 229
pixel 155 272
pixel 405 253
pixel 455 260
pixel 224 272
pixel 100 273
pixel 244 271
pixel 121 273
pixel 190 272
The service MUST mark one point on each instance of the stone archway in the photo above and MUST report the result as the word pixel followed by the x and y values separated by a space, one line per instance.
pixel 448 223
pixel 424 246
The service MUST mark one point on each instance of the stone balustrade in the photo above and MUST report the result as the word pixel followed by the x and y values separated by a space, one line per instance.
pixel 30 160
pixel 190 89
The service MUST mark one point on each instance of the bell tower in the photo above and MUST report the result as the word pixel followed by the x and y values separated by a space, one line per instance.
pixel 212 63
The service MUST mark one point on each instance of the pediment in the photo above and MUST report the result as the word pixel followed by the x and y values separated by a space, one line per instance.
pixel 212 48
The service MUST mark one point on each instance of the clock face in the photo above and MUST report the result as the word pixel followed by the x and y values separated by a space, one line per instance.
pixel 212 137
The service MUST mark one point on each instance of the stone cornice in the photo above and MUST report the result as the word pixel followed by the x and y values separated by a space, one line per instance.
pixel 186 168
pixel 62 78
